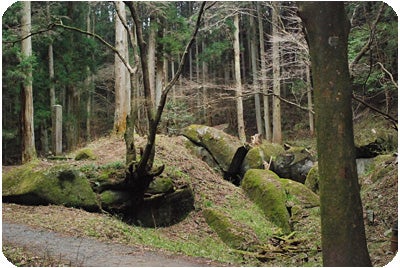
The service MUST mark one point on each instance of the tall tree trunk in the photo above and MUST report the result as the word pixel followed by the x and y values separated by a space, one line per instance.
pixel 120 71
pixel 51 64
pixel 342 225
pixel 89 83
pixel 267 119
pixel 309 100
pixel 254 69
pixel 28 130
pixel 204 73
pixel 151 58
pixel 51 76
pixel 239 98
pixel 276 102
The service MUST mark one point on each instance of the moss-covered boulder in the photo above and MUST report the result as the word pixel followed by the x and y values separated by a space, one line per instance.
pixel 221 145
pixel 295 163
pixel 232 233
pixel 312 179
pixel 165 209
pixel 59 185
pixel 299 194
pixel 201 153
pixel 85 153
pixel 161 185
pixel 257 155
pixel 115 201
pixel 265 189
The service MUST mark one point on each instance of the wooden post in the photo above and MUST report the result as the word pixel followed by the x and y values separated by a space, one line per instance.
pixel 56 118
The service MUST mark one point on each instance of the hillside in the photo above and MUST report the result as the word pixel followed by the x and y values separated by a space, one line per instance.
pixel 193 236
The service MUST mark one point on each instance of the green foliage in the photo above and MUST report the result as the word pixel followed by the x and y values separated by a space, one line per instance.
pixel 383 47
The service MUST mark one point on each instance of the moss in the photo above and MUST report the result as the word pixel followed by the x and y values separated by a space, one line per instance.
pixel 312 179
pixel 265 189
pixel 382 166
pixel 302 195
pixel 257 155
pixel 300 154
pixel 85 153
pixel 221 145
pixel 60 185
pixel 161 185
pixel 232 233
pixel 191 132
pixel 111 198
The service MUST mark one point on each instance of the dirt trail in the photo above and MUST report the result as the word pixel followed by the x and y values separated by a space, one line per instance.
pixel 82 251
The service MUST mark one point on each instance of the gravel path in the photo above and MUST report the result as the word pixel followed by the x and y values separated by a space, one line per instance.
pixel 82 251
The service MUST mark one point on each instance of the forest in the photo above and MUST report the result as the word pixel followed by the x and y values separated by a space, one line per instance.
pixel 255 71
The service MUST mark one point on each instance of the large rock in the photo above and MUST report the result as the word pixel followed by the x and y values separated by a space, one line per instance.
pixel 295 163
pixel 221 145
pixel 312 180
pixel 264 188
pixel 232 233
pixel 64 185
pixel 299 194
pixel 202 153
pixel 278 198
pixel 258 155
pixel 165 209
pixel 60 185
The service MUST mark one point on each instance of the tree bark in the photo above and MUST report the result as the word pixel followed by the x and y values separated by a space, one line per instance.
pixel 28 131
pixel 309 101
pixel 267 119
pixel 51 65
pixel 239 98
pixel 121 74
pixel 276 102
pixel 151 57
pixel 342 225
pixel 253 48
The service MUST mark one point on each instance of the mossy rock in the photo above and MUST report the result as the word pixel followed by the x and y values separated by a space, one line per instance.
pixel 312 179
pixel 165 209
pixel 265 189
pixel 232 233
pixel 85 153
pixel 294 164
pixel 201 153
pixel 161 185
pixel 299 194
pixel 59 185
pixel 115 201
pixel 221 145
pixel 257 155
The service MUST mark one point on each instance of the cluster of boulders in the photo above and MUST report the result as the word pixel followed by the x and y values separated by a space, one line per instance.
pixel 271 175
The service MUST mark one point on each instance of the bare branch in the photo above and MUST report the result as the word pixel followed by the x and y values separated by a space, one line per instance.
pixel 385 115
pixel 388 73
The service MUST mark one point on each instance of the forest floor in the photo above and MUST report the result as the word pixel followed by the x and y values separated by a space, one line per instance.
pixel 69 223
